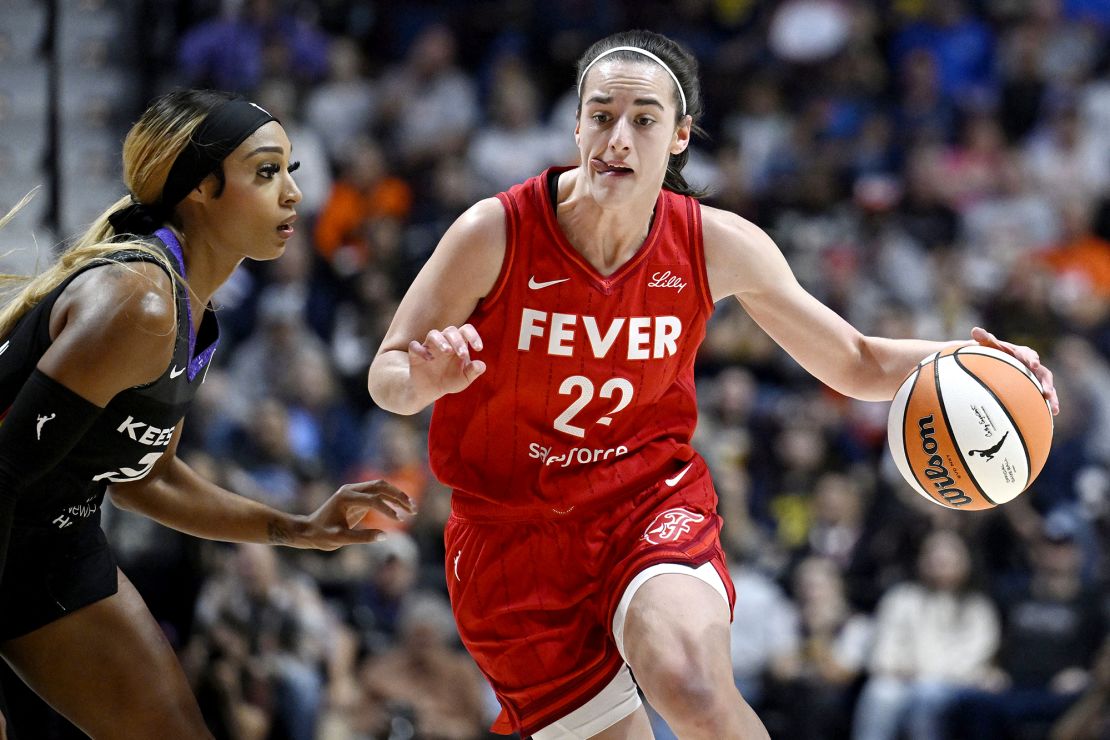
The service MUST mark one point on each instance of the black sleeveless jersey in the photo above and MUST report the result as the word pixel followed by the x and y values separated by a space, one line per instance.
pixel 135 427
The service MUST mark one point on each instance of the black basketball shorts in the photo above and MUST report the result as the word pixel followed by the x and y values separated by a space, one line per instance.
pixel 51 574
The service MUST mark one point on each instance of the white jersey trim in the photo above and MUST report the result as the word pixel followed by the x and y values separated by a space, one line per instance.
pixel 704 572
pixel 620 696
pixel 609 706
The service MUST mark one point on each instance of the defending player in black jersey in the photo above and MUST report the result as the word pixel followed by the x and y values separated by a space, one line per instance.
pixel 100 357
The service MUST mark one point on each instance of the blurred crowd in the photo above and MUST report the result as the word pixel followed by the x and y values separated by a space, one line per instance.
pixel 925 165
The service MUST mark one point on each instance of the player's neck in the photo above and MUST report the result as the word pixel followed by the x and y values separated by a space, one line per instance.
pixel 206 269
pixel 605 237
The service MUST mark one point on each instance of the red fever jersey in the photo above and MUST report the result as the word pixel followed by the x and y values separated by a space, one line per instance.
pixel 588 396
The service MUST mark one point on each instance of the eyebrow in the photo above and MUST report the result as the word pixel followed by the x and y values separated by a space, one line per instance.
pixel 264 149
pixel 607 99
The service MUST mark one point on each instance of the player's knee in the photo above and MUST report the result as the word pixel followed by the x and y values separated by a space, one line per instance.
pixel 699 707
pixel 697 698
pixel 687 686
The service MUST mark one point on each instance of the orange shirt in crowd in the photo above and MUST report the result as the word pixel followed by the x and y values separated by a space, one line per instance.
pixel 343 220
pixel 1087 256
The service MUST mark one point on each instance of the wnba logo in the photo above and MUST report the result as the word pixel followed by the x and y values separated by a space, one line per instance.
pixel 671 525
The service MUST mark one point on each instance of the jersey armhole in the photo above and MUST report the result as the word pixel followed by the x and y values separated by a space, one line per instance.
pixel 697 243
pixel 512 218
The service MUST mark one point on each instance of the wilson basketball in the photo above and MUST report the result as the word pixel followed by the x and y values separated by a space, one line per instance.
pixel 969 428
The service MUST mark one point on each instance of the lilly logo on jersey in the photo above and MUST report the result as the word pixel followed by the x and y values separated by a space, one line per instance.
pixel 666 279
pixel 646 337
pixel 671 525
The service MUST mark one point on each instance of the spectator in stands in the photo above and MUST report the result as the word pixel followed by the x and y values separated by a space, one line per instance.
pixel 262 622
pixel 1052 627
pixel 323 425
pixel 262 361
pixel 933 636
pixel 365 193
pixel 344 106
pixel 426 681
pixel 959 40
pixel 1089 717
pixel 262 39
pixel 1065 160
pixel 516 144
pixel 429 105
pixel 1081 258
pixel 375 603
pixel 813 689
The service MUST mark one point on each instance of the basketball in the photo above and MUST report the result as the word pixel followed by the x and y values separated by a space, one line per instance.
pixel 969 428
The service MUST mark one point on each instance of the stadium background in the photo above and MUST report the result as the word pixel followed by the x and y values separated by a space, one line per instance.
pixel 925 166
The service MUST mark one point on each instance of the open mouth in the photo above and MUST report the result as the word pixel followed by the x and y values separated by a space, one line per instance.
pixel 285 230
pixel 602 167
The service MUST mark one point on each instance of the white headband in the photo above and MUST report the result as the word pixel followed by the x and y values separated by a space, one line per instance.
pixel 636 50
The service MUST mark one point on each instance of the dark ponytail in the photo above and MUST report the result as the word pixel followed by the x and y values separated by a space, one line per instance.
pixel 685 68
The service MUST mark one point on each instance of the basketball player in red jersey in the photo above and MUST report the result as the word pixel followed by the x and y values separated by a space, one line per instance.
pixel 583 539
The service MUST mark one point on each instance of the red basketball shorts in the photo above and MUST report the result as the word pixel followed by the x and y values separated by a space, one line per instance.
pixel 534 598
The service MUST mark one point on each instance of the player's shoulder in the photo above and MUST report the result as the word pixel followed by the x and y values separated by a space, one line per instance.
pixel 480 231
pixel 128 296
pixel 115 326
pixel 722 225
pixel 732 239
pixel 739 255
pixel 484 217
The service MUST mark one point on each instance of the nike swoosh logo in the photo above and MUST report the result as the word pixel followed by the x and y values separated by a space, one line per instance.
pixel 175 371
pixel 5 347
pixel 674 481
pixel 536 286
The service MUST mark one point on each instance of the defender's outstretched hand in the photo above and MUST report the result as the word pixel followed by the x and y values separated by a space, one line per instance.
pixel 1028 356
pixel 333 525
pixel 441 364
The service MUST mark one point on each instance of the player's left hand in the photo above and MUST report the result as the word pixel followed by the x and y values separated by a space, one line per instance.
pixel 1028 356
pixel 333 524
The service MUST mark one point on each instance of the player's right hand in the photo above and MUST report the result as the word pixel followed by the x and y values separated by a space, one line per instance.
pixel 441 364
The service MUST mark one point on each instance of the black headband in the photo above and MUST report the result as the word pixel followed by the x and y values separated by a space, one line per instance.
pixel 217 136
pixel 224 128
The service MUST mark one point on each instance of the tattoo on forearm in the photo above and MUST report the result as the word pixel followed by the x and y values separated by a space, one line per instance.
pixel 278 535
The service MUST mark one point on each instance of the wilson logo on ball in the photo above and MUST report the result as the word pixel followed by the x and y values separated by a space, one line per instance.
pixel 935 469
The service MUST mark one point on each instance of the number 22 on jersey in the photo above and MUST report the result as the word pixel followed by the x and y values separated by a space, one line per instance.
pixel 584 388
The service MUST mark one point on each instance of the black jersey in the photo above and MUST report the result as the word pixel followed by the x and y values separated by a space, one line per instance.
pixel 135 427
